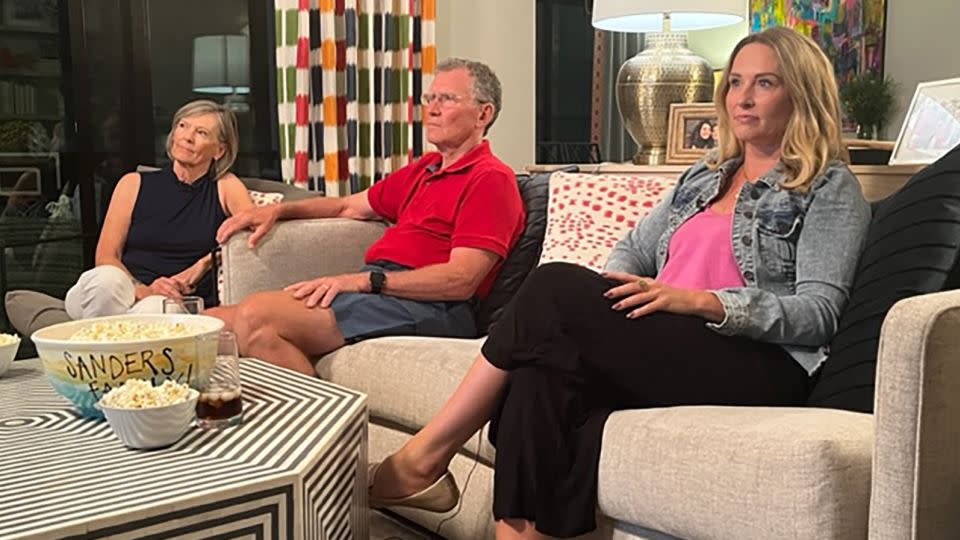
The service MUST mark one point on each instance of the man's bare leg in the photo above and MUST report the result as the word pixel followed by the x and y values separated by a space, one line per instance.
pixel 280 329
pixel 225 313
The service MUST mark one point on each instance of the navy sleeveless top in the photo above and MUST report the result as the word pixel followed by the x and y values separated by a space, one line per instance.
pixel 172 226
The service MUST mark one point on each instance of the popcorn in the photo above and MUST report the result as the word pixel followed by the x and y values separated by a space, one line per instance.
pixel 7 339
pixel 139 394
pixel 129 331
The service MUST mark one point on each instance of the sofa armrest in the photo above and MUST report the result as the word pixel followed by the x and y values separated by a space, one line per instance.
pixel 916 455
pixel 294 251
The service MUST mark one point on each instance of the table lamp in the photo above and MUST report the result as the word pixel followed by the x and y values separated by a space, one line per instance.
pixel 665 71
pixel 221 65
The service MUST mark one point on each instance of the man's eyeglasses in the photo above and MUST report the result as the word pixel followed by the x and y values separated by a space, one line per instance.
pixel 444 99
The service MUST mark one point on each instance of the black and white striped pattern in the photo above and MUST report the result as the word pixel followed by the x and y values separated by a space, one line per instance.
pixel 296 467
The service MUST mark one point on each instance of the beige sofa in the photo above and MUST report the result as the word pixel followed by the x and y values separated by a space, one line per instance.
pixel 687 472
pixel 681 472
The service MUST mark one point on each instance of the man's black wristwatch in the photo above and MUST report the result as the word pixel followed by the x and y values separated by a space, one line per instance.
pixel 377 281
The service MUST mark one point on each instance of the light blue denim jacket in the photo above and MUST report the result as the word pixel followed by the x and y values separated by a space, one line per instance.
pixel 796 251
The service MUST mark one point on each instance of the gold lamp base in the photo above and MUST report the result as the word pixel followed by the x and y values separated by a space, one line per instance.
pixel 650 155
pixel 665 72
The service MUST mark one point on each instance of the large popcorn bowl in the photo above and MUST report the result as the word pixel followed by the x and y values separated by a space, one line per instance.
pixel 82 371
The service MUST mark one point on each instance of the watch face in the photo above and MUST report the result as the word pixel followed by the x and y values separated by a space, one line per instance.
pixel 377 280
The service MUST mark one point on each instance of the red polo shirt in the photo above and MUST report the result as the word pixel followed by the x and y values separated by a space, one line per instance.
pixel 473 203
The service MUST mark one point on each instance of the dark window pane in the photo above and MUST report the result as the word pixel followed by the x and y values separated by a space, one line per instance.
pixel 40 215
pixel 208 56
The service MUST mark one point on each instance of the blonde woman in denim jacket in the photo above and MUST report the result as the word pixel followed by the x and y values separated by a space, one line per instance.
pixel 724 294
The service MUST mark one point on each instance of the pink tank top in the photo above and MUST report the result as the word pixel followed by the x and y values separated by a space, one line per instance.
pixel 700 254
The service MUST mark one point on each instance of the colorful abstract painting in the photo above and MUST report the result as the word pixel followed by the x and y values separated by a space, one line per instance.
pixel 850 32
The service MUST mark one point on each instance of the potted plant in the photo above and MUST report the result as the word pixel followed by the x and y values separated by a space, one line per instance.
pixel 868 100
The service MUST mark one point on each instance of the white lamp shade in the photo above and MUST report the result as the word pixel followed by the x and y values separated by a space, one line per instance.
pixel 221 65
pixel 647 15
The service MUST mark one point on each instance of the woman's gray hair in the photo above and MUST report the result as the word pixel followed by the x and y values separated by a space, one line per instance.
pixel 226 131
pixel 486 85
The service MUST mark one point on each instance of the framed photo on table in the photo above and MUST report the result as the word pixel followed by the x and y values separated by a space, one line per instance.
pixel 31 175
pixel 691 132
pixel 932 124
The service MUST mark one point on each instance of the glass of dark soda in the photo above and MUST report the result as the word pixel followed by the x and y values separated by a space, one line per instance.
pixel 220 404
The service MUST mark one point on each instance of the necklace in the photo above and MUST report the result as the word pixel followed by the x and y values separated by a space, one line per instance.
pixel 745 175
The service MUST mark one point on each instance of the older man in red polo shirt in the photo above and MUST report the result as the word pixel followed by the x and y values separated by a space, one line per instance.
pixel 457 213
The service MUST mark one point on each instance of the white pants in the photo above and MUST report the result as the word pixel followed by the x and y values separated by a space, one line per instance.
pixel 107 290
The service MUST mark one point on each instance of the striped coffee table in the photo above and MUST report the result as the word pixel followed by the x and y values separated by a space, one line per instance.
pixel 296 467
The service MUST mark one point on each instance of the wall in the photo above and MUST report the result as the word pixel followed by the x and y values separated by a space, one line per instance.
pixel 502 34
pixel 716 44
pixel 920 46
pixel 921 43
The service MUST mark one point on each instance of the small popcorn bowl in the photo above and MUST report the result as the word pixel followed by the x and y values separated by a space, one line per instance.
pixel 8 351
pixel 151 427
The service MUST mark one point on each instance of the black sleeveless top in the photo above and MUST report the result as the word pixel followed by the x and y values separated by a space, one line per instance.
pixel 172 226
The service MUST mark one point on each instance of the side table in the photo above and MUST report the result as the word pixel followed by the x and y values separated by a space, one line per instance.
pixel 296 468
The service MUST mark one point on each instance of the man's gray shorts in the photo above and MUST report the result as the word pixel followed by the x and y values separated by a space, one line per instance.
pixel 363 315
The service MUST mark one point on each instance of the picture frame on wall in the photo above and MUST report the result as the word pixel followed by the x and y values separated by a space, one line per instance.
pixel 932 125
pixel 691 132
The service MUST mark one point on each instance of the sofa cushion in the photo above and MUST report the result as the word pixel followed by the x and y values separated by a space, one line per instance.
pixel 524 254
pixel 912 248
pixel 588 214
pixel 406 378
pixel 29 311
pixel 738 472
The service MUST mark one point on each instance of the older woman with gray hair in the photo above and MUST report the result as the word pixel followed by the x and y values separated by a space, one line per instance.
pixel 161 226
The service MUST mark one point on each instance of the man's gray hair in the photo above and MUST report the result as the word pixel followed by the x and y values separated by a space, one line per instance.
pixel 486 85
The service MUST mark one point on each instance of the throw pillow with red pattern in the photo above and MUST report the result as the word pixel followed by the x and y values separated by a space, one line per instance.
pixel 588 214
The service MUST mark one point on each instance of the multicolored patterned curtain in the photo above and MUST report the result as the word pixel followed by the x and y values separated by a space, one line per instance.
pixel 349 78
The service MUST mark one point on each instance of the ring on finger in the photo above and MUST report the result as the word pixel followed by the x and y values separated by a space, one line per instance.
pixel 642 284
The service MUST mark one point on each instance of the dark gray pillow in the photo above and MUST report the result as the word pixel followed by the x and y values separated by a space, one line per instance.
pixel 534 190
pixel 913 247
pixel 29 311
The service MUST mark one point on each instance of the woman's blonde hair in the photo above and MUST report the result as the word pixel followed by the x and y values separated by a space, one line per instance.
pixel 226 131
pixel 812 138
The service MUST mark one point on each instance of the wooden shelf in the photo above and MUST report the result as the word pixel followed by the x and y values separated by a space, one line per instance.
pixel 868 143
pixel 28 75
pixel 29 117
pixel 7 29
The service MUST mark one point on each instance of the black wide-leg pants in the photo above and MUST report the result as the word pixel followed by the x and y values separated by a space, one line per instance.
pixel 573 360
